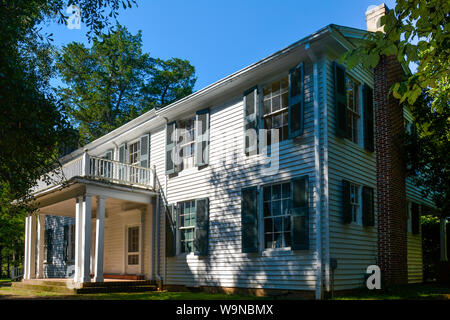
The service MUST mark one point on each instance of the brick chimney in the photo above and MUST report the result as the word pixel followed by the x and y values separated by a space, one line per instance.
pixel 373 17
pixel 391 189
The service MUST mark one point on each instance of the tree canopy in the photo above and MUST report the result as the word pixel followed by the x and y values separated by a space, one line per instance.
pixel 114 81
pixel 417 32
pixel 33 129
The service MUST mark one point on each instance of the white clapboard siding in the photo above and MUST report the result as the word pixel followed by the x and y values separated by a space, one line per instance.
pixel 354 246
pixel 221 181
pixel 115 250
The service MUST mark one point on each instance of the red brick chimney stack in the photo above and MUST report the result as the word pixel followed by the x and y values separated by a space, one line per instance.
pixel 391 190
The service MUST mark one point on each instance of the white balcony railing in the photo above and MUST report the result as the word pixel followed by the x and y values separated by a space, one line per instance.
pixel 99 169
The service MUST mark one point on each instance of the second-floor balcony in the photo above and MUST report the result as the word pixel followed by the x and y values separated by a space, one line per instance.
pixel 96 168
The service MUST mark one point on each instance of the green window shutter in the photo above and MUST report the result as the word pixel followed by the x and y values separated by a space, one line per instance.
pixel 251 111
pixel 170 147
pixel 171 231
pixel 415 218
pixel 66 243
pixel 296 101
pixel 144 160
pixel 340 100
pixel 300 214
pixel 346 206
pixel 368 217
pixel 201 227
pixel 202 137
pixel 249 218
pixel 368 118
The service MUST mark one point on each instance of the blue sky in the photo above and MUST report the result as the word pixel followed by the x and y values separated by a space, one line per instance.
pixel 221 37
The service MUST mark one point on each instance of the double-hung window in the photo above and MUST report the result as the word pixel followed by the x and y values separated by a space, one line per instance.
pixel 354 202
pixel 275 108
pixel 277 201
pixel 187 143
pixel 358 204
pixel 348 105
pixel 352 89
pixel 277 105
pixel 283 219
pixel 187 227
pixel 187 215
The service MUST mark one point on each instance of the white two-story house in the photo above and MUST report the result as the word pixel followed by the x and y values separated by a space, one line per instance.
pixel 264 180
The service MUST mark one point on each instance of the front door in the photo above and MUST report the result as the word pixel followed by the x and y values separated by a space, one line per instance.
pixel 133 250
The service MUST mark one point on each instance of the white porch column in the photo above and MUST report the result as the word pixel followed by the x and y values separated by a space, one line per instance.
pixel 443 238
pixel 32 250
pixel 86 214
pixel 142 241
pixel 99 240
pixel 26 261
pixel 40 246
pixel 78 209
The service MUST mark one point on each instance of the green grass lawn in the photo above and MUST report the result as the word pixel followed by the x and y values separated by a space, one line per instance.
pixel 423 291
pixel 8 292
pixel 415 291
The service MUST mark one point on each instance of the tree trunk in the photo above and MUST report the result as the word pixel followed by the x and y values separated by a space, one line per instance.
pixel 8 269
pixel 1 262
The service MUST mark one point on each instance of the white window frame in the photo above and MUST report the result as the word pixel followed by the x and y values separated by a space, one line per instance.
pixel 179 244
pixel 134 174
pixel 138 152
pixel 187 162
pixel 138 253
pixel 355 136
pixel 356 205
pixel 269 82
pixel 261 218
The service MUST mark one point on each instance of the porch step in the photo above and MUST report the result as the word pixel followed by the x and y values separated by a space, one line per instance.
pixel 106 284
pixel 124 276
pixel 110 289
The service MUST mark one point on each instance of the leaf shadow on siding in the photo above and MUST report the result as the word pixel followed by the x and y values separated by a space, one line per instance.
pixel 226 265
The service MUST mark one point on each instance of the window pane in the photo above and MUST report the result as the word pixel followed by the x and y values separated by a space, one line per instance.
pixel 267 193
pixel 276 103
pixel 268 225
pixel 250 103
pixel 133 259
pixel 277 121
pixel 268 240
pixel 266 209
pixel 276 208
pixel 284 84
pixel 278 224
pixel 133 239
pixel 276 88
pixel 286 190
pixel 276 191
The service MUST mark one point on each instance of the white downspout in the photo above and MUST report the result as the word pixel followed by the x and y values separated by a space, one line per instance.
pixel 158 213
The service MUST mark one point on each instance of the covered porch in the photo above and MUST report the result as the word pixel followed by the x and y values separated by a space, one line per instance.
pixel 108 226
